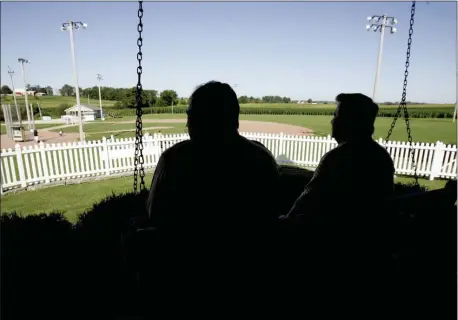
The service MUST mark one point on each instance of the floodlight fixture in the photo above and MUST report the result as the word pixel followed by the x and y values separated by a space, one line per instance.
pixel 22 60
pixel 379 23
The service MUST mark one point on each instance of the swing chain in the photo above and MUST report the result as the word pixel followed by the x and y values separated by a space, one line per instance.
pixel 403 104
pixel 138 159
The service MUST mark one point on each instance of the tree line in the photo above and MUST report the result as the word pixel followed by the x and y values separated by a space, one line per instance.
pixel 37 88
pixel 126 97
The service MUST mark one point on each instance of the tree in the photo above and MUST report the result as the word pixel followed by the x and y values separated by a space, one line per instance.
pixel 129 100
pixel 183 101
pixel 244 99
pixel 275 99
pixel 168 97
pixel 309 101
pixel 66 90
pixel 49 91
pixel 152 97
pixel 6 90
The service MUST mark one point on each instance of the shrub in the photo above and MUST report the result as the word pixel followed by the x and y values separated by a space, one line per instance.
pixel 36 257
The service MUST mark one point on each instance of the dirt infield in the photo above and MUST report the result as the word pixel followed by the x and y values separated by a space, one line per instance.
pixel 245 126
pixel 45 136
pixel 248 126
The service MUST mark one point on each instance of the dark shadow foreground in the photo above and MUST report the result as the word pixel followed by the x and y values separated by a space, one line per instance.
pixel 51 270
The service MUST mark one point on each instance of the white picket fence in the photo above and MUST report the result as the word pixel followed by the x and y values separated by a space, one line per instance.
pixel 48 163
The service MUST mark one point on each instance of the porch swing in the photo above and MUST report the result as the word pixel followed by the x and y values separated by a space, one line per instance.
pixel 410 203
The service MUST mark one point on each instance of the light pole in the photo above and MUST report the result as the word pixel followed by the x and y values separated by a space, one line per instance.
pixel 100 78
pixel 30 125
pixel 70 26
pixel 456 102
pixel 11 73
pixel 379 23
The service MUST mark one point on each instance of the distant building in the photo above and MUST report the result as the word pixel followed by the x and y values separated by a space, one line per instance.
pixel 89 112
pixel 21 92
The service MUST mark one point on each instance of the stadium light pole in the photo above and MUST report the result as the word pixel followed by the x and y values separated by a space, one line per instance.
pixel 380 23
pixel 31 126
pixel 456 82
pixel 11 73
pixel 70 26
pixel 100 78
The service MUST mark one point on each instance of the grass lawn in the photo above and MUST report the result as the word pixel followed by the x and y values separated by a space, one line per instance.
pixel 73 200
pixel 423 130
pixel 98 130
pixel 55 101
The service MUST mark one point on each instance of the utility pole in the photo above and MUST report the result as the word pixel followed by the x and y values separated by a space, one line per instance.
pixel 379 23
pixel 70 26
pixel 11 73
pixel 100 78
pixel 30 126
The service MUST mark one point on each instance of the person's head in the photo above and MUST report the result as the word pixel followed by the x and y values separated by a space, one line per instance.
pixel 213 112
pixel 354 117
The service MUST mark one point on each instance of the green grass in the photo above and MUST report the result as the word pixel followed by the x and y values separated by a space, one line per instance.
pixel 98 130
pixel 55 101
pixel 73 200
pixel 423 130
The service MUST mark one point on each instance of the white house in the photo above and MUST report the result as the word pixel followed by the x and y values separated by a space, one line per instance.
pixel 88 111
pixel 21 92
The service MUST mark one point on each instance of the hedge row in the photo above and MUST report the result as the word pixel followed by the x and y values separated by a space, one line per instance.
pixel 415 112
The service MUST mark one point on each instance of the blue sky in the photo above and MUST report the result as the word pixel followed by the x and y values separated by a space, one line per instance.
pixel 301 50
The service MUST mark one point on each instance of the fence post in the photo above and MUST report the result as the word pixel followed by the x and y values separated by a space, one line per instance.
pixel 159 142
pixel 20 166
pixel 438 156
pixel 107 156
pixel 44 161
pixel 281 144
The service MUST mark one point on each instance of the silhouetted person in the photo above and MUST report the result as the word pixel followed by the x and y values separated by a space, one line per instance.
pixel 216 177
pixel 343 208
pixel 358 172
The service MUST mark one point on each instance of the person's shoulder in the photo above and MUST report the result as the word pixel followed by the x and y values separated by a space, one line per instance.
pixel 256 147
pixel 338 151
pixel 176 149
pixel 382 155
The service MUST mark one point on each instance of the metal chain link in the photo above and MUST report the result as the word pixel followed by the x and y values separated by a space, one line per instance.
pixel 138 160
pixel 403 104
